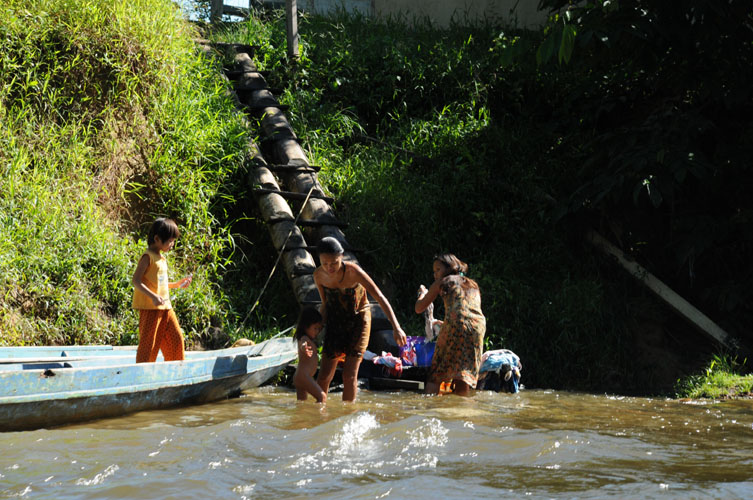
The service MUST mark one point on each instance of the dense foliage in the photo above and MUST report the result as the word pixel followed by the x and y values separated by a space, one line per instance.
pixel 506 147
pixel 663 133
pixel 109 118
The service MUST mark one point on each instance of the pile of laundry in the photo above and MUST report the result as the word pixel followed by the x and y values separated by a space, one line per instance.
pixel 416 352
pixel 393 366
pixel 500 368
pixel 500 371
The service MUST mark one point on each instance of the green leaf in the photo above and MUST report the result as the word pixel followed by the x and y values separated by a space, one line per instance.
pixel 567 43
pixel 545 50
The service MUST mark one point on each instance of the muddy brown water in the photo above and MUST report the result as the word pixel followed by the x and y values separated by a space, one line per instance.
pixel 534 444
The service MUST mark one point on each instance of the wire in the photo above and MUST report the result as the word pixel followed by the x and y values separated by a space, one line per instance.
pixel 279 256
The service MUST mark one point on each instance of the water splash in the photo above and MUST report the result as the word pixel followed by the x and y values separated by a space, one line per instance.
pixel 99 478
pixel 431 434
pixel 354 433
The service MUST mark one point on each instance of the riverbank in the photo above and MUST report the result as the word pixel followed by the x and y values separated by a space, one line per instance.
pixel 110 118
pixel 431 140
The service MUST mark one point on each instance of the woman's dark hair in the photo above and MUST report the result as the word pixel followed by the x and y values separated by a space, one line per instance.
pixel 329 245
pixel 309 315
pixel 164 228
pixel 456 266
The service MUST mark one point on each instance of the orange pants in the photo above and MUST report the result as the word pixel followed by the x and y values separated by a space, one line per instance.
pixel 159 329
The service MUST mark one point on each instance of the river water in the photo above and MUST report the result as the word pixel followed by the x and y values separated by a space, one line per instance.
pixel 534 444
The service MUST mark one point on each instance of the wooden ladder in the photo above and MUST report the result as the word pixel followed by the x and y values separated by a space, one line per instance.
pixel 284 184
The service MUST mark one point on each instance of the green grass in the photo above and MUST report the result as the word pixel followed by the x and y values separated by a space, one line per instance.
pixel 110 117
pixel 721 379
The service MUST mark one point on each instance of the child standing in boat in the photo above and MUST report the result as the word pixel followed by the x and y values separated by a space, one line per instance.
pixel 309 326
pixel 343 288
pixel 158 325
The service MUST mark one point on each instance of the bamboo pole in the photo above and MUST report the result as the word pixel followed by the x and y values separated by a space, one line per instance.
pixel 298 263
pixel 286 236
pixel 286 233
pixel 696 318
pixel 289 152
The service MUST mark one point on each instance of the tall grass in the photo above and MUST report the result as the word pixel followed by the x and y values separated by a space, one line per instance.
pixel 109 119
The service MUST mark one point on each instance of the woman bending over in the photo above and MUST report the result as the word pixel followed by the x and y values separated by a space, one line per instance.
pixel 457 355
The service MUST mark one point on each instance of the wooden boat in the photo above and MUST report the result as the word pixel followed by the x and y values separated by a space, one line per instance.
pixel 51 386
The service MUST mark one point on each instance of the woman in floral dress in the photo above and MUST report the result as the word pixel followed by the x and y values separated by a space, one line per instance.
pixel 457 355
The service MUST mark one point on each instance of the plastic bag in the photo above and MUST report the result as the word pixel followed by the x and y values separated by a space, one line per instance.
pixel 417 352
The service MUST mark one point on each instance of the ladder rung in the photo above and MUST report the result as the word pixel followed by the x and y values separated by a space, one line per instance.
pixel 293 168
pixel 313 249
pixel 311 302
pixel 302 272
pixel 308 248
pixel 251 88
pixel 279 135
pixel 310 222
pixel 294 196
pixel 234 73
pixel 260 107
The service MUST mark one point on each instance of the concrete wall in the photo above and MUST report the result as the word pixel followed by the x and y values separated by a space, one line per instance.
pixel 325 6
pixel 520 13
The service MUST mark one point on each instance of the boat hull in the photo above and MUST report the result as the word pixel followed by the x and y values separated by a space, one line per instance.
pixel 50 395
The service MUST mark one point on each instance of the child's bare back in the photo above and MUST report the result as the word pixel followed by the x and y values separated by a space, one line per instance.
pixel 309 326
pixel 308 361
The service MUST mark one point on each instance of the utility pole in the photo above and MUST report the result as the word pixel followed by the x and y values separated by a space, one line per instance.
pixel 291 21
pixel 215 13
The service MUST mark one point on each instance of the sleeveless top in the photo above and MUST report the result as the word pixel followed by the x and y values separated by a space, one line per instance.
pixel 348 320
pixel 155 279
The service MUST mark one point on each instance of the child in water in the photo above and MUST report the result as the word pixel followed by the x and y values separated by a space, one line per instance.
pixel 309 326
pixel 158 325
